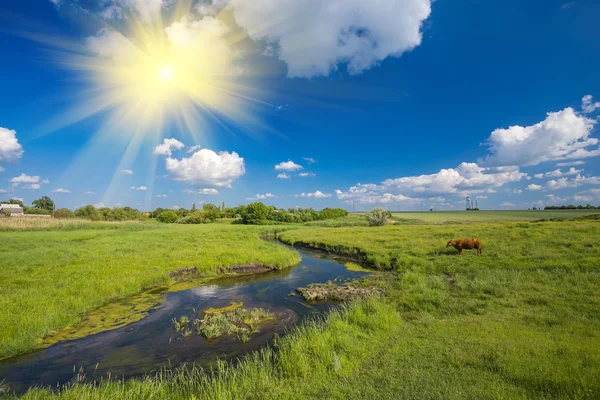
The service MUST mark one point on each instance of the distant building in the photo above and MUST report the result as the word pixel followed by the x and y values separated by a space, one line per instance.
pixel 14 210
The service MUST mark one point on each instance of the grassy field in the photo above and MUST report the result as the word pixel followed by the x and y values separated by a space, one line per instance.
pixel 485 215
pixel 521 321
pixel 50 277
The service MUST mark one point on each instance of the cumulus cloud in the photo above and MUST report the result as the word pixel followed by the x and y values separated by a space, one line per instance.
pixel 507 204
pixel 570 163
pixel 167 147
pixel 161 196
pixel 262 196
pixel 33 182
pixel 317 195
pixel 283 175
pixel 562 135
pixel 550 198
pixel 306 174
pixel 10 148
pixel 534 187
pixel 139 188
pixel 352 33
pixel 588 105
pixel 289 166
pixel 206 191
pixel 310 160
pixel 88 193
pixel 466 177
pixel 557 173
pixel 61 190
pixel 145 10
pixel 207 167
pixel 126 171
pixel 577 181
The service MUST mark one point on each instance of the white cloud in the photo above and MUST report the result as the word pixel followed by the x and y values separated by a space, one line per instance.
pixel 111 44
pixel 61 190
pixel 10 148
pixel 481 197
pixel 24 178
pixel 193 149
pixel 283 175
pixel 562 135
pixel 206 191
pixel 146 10
pixel 466 177
pixel 126 171
pixel 1 169
pixel 507 204
pixel 289 166
pixel 306 174
pixel 207 167
pixel 167 146
pixel 161 196
pixel 557 173
pixel 352 33
pixel 534 187
pixel 577 181
pixel 517 191
pixel 317 195
pixel 588 105
pixel 56 2
pixel 88 193
pixel 555 199
pixel 3 191
pixel 310 160
pixel 33 186
pixel 139 188
pixel 570 164
pixel 262 196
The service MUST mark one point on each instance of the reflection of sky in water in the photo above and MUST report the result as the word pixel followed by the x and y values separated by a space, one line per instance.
pixel 152 343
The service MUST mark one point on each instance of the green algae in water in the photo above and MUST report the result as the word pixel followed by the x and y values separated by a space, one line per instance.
pixel 350 266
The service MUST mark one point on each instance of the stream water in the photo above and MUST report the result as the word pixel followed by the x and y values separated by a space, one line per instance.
pixel 152 343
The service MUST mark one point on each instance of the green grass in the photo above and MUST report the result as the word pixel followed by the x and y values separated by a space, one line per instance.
pixel 521 321
pixel 50 279
pixel 485 215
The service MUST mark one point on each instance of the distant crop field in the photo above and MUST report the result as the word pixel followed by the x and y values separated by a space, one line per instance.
pixel 493 215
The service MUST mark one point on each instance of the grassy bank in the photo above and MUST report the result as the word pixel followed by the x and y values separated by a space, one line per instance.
pixel 490 215
pixel 50 277
pixel 521 321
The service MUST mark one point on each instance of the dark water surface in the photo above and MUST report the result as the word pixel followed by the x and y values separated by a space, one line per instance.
pixel 152 343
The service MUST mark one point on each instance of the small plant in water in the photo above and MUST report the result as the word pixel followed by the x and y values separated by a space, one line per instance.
pixel 232 320
pixel 182 323
pixel 186 332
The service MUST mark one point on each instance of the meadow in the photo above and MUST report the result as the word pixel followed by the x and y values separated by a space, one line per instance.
pixel 489 215
pixel 521 321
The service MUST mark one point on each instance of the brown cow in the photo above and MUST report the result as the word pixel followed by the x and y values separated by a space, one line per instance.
pixel 468 244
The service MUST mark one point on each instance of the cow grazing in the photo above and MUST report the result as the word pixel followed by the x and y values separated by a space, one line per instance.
pixel 468 244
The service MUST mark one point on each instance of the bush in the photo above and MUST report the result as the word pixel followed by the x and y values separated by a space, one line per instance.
pixel 330 213
pixel 197 217
pixel 377 217
pixel 89 212
pixel 255 214
pixel 167 217
pixel 64 213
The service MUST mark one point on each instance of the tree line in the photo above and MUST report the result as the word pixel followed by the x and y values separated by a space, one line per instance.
pixel 572 207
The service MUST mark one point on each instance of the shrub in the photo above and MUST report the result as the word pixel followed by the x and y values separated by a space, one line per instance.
pixel 89 212
pixel 330 213
pixel 255 214
pixel 377 217
pixel 167 217
pixel 197 217
pixel 64 213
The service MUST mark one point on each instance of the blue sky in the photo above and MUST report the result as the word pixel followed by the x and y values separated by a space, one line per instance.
pixel 402 104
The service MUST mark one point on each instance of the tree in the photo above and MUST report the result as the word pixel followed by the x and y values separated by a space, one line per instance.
pixel 167 217
pixel 377 217
pixel 88 212
pixel 255 214
pixel 13 201
pixel 44 202
pixel 64 213
pixel 193 207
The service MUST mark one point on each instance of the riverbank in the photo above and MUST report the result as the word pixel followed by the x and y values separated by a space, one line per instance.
pixel 50 280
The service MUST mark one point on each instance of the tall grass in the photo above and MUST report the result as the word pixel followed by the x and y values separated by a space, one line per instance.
pixel 51 224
